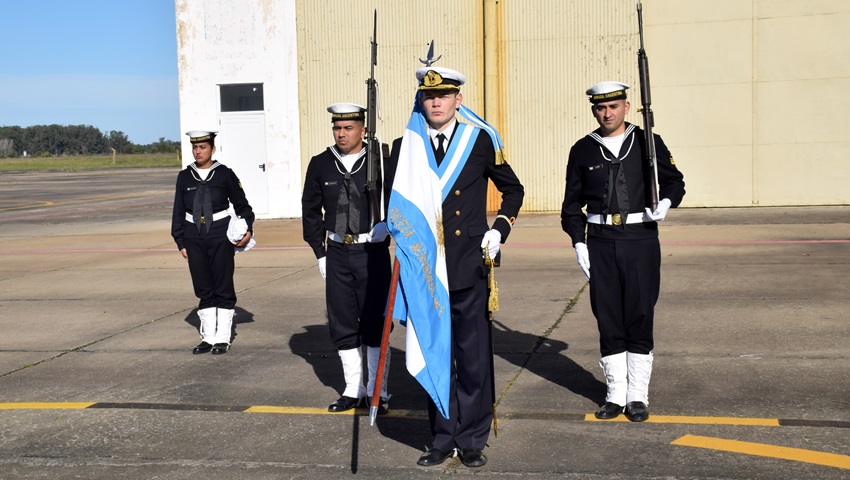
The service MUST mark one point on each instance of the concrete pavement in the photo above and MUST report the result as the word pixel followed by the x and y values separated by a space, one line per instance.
pixel 98 320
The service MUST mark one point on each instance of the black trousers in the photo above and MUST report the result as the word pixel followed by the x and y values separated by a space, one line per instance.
pixel 211 265
pixel 625 278
pixel 471 402
pixel 356 287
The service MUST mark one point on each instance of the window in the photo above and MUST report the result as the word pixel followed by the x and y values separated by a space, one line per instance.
pixel 241 98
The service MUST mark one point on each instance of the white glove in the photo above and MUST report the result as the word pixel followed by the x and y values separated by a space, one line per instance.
pixel 378 233
pixel 583 259
pixel 491 241
pixel 322 262
pixel 660 211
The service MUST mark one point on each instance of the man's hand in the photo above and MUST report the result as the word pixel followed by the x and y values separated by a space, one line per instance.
pixel 378 233
pixel 491 242
pixel 183 252
pixel 245 240
pixel 660 211
pixel 583 259
pixel 322 262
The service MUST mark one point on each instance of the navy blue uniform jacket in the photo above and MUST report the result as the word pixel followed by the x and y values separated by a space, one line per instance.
pixel 465 209
pixel 224 188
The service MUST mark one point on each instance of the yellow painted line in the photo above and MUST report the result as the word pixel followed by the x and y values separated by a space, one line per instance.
pixel 764 450
pixel 45 405
pixel 397 413
pixel 24 205
pixel 324 411
pixel 296 410
pixel 79 201
pixel 759 422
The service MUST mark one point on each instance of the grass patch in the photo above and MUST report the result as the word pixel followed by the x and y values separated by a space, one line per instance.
pixel 89 162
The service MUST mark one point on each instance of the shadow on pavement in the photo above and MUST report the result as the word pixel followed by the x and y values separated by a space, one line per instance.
pixel 314 345
pixel 558 367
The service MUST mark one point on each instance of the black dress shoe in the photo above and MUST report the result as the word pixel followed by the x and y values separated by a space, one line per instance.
pixel 636 411
pixel 473 457
pixel 344 403
pixel 434 456
pixel 609 411
pixel 202 347
pixel 220 348
pixel 383 405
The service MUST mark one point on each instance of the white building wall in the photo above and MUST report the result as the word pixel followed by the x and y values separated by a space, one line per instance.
pixel 244 41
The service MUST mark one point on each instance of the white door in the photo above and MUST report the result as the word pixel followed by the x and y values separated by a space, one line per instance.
pixel 241 146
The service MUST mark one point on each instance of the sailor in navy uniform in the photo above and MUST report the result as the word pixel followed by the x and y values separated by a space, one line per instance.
pixel 621 256
pixel 466 234
pixel 199 225
pixel 353 257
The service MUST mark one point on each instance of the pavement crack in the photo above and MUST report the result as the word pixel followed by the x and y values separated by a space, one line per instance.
pixel 273 280
pixel 540 341
pixel 93 342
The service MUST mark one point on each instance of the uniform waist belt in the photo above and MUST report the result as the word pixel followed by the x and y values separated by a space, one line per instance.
pixel 216 216
pixel 617 219
pixel 348 239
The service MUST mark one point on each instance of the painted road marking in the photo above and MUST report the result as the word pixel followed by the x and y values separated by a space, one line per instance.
pixel 293 410
pixel 704 242
pixel 37 204
pixel 765 450
pixel 44 405
pixel 759 422
pixel 123 250
pixel 324 411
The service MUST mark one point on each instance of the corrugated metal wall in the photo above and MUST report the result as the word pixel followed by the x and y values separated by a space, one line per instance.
pixel 334 57
pixel 549 53
pixel 554 51
pixel 743 91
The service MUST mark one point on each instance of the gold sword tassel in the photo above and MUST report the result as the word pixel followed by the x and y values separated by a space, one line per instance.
pixel 492 306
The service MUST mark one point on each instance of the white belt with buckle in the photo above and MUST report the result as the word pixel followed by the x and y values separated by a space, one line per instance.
pixel 348 239
pixel 216 216
pixel 617 219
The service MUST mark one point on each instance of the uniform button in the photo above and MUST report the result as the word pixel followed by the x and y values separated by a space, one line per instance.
pixel 457 213
pixel 457 192
pixel 457 233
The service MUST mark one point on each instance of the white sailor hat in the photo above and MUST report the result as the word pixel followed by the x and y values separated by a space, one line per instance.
pixel 199 136
pixel 439 78
pixel 607 91
pixel 347 111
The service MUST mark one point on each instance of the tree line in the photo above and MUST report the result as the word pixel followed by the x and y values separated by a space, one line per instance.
pixel 61 140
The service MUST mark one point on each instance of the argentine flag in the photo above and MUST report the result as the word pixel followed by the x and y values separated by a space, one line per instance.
pixel 414 219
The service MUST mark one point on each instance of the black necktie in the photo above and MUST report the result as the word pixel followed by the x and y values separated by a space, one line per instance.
pixel 441 150
pixel 617 188
pixel 202 213
pixel 348 207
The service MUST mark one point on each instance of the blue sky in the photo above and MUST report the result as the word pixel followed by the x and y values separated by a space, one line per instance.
pixel 111 64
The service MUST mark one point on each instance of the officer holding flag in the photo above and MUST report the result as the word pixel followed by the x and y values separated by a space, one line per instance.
pixel 438 218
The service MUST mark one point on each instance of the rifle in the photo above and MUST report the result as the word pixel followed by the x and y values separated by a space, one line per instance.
pixel 373 145
pixel 648 117
pixel 373 165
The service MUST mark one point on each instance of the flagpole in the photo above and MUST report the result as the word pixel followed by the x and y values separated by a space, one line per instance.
pixel 385 343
